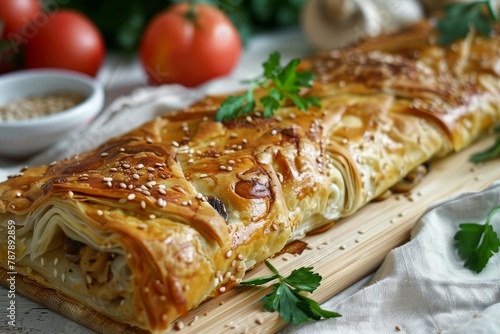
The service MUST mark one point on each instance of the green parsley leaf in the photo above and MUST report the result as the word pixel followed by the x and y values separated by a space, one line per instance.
pixel 287 77
pixel 290 309
pixel 490 153
pixel 303 103
pixel 477 243
pixel 304 279
pixel 459 18
pixel 281 83
pixel 272 65
pixel 286 298
pixel 272 301
pixel 305 79
pixel 239 105
pixel 271 102
pixel 315 310
pixel 261 280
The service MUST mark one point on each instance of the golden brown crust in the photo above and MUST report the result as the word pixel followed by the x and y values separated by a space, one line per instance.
pixel 189 203
pixel 455 86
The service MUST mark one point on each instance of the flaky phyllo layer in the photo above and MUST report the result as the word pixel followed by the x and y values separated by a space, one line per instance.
pixel 151 223
pixel 46 245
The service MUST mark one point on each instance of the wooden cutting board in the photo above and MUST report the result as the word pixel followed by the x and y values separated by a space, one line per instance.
pixel 353 248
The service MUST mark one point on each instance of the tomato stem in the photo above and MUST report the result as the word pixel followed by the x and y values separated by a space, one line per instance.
pixel 191 13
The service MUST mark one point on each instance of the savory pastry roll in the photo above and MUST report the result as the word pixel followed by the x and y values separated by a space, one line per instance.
pixel 455 87
pixel 150 224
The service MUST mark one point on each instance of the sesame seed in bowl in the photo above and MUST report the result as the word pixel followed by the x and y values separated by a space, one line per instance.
pixel 40 107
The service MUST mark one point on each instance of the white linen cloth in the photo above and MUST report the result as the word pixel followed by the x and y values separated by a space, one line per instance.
pixel 422 286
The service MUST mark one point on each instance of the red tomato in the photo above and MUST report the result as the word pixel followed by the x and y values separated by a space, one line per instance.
pixel 16 13
pixel 189 45
pixel 68 40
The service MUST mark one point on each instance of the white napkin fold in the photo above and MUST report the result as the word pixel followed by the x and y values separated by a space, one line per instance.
pixel 422 286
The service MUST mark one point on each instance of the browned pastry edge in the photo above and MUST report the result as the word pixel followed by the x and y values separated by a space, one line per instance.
pixel 66 306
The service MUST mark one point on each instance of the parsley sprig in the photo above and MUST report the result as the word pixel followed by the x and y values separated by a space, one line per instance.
pixel 281 83
pixel 491 152
pixel 477 243
pixel 459 18
pixel 286 297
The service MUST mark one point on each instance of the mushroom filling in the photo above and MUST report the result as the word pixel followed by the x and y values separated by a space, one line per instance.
pixel 72 249
pixel 98 268
pixel 219 206
pixel 410 181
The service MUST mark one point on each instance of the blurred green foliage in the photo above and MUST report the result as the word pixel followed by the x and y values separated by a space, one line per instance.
pixel 123 21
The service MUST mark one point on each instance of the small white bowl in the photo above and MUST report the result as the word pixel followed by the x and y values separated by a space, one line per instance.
pixel 22 138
